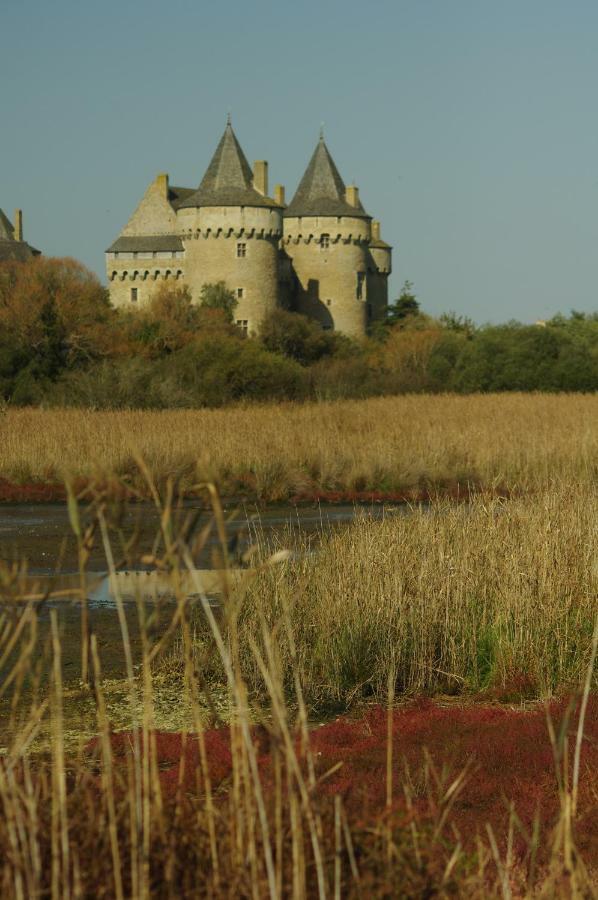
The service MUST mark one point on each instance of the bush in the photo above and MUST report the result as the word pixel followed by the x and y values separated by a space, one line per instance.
pixel 297 337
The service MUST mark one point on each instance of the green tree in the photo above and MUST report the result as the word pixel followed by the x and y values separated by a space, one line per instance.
pixel 219 296
pixel 296 337
pixel 405 307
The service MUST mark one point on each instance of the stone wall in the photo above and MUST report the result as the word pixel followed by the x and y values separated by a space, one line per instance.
pixel 142 273
pixel 238 246
pixel 331 272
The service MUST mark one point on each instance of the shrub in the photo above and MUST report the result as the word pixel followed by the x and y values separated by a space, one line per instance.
pixel 297 337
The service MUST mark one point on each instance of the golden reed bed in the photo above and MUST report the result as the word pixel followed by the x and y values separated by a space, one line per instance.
pixel 385 445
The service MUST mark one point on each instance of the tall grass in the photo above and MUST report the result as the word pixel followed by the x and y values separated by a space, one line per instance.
pixel 493 596
pixel 397 444
pixel 404 603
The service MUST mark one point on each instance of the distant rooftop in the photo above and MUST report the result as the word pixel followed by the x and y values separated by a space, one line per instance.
pixel 10 247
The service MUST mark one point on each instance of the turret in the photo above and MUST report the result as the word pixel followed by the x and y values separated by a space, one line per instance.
pixel 381 255
pixel 326 235
pixel 231 230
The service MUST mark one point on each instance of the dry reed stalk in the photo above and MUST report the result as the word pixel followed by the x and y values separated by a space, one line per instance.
pixel 389 758
pixel 107 773
pixel 135 773
pixel 60 842
pixel 337 848
pixel 245 727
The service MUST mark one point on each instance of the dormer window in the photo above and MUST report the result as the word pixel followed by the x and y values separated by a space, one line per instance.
pixel 241 251
pixel 324 242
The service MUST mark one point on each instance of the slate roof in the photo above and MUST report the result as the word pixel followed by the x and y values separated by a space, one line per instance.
pixel 228 180
pixel 176 195
pixel 10 249
pixel 147 243
pixel 321 191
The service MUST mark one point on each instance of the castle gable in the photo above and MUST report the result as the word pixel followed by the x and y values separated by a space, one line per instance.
pixel 155 214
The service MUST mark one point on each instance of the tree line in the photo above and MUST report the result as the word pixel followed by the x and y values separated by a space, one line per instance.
pixel 62 344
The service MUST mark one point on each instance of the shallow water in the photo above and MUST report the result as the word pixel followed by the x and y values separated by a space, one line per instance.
pixel 41 533
pixel 41 536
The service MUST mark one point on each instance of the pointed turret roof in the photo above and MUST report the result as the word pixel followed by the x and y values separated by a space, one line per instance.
pixel 321 191
pixel 228 180
pixel 10 248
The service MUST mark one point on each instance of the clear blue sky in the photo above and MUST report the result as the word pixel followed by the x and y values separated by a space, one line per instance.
pixel 470 126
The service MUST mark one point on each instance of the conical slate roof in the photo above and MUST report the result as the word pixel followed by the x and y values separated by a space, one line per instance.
pixel 321 191
pixel 228 180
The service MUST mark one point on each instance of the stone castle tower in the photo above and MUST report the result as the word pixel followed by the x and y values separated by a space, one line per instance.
pixel 321 255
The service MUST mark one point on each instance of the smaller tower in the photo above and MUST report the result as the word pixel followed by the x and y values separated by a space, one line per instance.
pixel 327 236
pixel 378 272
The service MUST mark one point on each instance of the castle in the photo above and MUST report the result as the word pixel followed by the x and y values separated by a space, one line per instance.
pixel 322 255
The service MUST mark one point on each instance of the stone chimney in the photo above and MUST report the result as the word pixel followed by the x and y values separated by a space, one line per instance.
pixel 352 195
pixel 162 184
pixel 18 226
pixel 375 230
pixel 260 177
pixel 279 194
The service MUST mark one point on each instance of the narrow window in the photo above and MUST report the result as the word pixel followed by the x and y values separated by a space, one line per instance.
pixel 134 295
pixel 241 251
pixel 324 242
pixel 329 303
pixel 243 324
pixel 240 293
pixel 360 285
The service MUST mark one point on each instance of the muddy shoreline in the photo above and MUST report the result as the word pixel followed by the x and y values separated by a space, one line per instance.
pixel 55 492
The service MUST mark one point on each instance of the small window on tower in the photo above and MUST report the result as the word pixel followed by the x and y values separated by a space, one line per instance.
pixel 240 293
pixel 243 324
pixel 241 251
pixel 324 242
pixel 329 303
pixel 360 285
pixel 134 295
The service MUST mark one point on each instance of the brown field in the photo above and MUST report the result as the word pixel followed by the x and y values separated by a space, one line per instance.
pixel 410 445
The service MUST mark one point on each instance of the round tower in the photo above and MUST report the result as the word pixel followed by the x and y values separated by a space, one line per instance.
pixel 381 256
pixel 326 235
pixel 231 232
